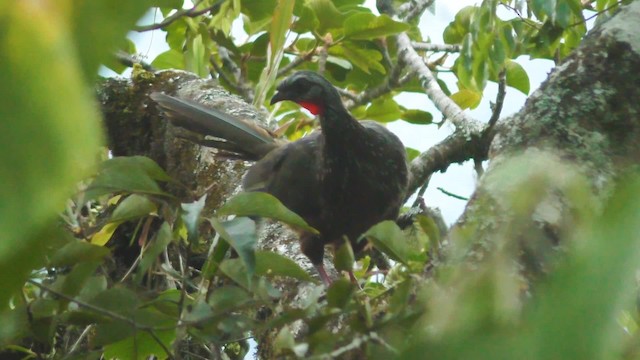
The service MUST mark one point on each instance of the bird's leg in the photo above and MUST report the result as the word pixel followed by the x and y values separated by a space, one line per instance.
pixel 352 277
pixel 323 274
pixel 313 247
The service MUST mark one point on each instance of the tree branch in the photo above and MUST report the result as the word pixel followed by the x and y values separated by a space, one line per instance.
pixel 443 103
pixel 456 148
pixel 422 46
pixel 413 9
pixel 177 15
pixel 295 62
pixel 240 83
pixel 130 60
pixel 393 81
pixel 497 108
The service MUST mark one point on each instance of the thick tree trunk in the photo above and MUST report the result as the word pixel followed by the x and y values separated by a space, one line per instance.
pixel 581 126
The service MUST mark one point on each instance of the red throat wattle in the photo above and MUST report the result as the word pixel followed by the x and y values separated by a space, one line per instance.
pixel 313 108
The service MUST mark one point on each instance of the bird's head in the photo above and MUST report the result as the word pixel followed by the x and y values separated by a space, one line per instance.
pixel 308 89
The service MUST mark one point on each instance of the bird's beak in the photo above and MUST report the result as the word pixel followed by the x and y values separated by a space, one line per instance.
pixel 279 96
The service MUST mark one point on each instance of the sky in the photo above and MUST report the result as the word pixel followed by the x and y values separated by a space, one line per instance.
pixel 458 179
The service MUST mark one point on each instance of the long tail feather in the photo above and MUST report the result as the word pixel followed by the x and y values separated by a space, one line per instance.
pixel 239 136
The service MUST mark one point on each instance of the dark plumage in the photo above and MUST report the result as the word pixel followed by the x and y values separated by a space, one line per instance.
pixel 341 180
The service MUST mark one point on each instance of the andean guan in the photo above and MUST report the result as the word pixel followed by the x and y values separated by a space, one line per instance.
pixel 341 180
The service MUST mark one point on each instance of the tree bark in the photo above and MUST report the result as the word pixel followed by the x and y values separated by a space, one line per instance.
pixel 581 126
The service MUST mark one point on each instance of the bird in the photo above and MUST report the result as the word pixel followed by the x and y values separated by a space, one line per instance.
pixel 341 179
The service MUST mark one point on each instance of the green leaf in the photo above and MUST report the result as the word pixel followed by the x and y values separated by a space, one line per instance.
pixel 263 205
pixel 517 77
pixel 411 153
pixel 457 29
pixel 258 10
pixel 544 8
pixel 200 312
pixel 191 216
pixel 366 26
pixel 383 109
pixel 255 27
pixel 285 340
pixel 92 287
pixel 168 4
pixel 280 24
pixel 49 143
pixel 365 59
pixel 327 15
pixel 133 207
pixel 228 298
pixel 388 238
pixel 170 59
pixel 588 291
pixel 162 239
pixel 76 252
pixel 236 271
pixel 344 258
pixel 467 99
pixel 227 13
pixel 415 116
pixel 71 283
pixel 240 233
pixel 118 299
pixel 213 261
pixel 430 228
pixel 137 174
pixel 342 63
pixel 195 58
pixel 102 237
pixel 269 263
pixel 339 293
pixel 141 346
pixel 176 36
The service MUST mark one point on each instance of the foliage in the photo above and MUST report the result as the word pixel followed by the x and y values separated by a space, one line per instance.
pixel 119 274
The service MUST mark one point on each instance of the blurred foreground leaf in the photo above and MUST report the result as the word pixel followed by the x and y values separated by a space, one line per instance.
pixel 48 143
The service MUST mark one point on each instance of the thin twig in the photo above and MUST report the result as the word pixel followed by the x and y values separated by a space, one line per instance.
pixel 526 21
pixel 346 93
pixel 421 191
pixel 394 80
pixel 241 84
pixel 323 54
pixel 84 333
pixel 295 62
pixel 502 91
pixel 223 75
pixel 455 196
pixel 105 312
pixel 596 14
pixel 130 60
pixel 193 12
pixel 443 103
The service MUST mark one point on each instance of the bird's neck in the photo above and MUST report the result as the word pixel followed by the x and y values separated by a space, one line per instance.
pixel 339 128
